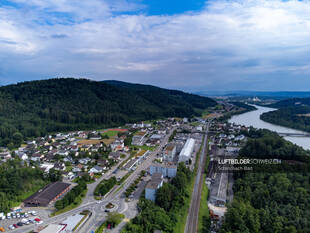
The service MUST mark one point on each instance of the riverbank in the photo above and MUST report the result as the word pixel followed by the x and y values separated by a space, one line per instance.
pixel 252 118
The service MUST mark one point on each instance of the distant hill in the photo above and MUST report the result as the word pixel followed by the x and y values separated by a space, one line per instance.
pixel 291 103
pixel 261 94
pixel 31 109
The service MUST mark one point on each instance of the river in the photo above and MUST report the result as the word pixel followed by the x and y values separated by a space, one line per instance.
pixel 252 119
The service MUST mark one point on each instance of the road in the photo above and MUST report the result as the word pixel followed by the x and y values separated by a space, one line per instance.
pixel 192 217
pixel 97 207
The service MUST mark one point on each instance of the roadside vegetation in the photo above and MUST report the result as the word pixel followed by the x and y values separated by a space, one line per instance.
pixel 204 215
pixel 133 186
pixel 72 199
pixel 112 221
pixel 104 187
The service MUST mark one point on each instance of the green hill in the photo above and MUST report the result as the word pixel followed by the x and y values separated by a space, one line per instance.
pixel 293 113
pixel 32 109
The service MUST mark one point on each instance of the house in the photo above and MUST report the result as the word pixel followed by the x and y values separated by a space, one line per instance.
pixel 36 157
pixel 46 167
pixel 155 183
pixel 115 155
pixel 96 169
pixel 102 163
pixel 84 160
pixel 59 166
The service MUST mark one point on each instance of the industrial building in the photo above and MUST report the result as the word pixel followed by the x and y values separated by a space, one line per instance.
pixel 187 150
pixel 166 169
pixel 170 152
pixel 47 195
pixel 155 183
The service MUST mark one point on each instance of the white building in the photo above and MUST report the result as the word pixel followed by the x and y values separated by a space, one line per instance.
pixel 187 150
pixel 170 152
pixel 151 188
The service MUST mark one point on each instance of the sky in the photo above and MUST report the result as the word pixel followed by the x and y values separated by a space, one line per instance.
pixel 192 45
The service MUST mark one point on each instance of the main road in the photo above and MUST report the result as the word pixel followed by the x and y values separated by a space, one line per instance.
pixel 192 217
pixel 97 207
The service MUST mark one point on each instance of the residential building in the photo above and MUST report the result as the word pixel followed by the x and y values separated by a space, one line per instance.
pixel 155 183
pixel 170 152
pixel 166 169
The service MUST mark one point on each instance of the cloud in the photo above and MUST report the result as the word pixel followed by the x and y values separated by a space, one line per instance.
pixel 227 45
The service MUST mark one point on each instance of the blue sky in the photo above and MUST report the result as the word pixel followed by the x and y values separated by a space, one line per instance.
pixel 192 45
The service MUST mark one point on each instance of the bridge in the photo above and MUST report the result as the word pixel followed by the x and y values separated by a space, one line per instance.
pixel 295 134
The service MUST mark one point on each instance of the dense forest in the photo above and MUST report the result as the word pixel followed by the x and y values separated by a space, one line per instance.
pixel 297 117
pixel 17 182
pixel 32 109
pixel 162 215
pixel 270 202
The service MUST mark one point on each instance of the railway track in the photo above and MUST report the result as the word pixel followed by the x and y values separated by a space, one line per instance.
pixel 192 218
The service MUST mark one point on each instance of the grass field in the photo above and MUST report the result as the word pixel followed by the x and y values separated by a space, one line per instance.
pixel 110 133
pixel 150 148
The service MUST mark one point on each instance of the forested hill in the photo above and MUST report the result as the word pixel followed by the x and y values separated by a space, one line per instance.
pixel 293 113
pixel 35 108
pixel 293 102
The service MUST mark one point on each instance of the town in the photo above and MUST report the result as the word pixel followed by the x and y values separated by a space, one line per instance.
pixel 118 165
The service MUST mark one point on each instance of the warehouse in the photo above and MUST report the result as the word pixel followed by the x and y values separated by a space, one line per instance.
pixel 187 150
pixel 47 195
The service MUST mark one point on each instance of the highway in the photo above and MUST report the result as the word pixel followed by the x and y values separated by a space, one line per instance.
pixel 192 217
pixel 115 196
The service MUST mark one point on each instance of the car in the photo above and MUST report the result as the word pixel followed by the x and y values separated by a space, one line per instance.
pixel 11 227
pixel 26 215
pixel 107 211
pixel 37 219
pixel 27 223
pixel 20 224
pixel 18 215
pixel 30 220
pixel 2 229
pixel 15 225
pixel 34 213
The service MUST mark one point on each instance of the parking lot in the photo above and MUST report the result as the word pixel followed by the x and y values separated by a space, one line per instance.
pixel 23 217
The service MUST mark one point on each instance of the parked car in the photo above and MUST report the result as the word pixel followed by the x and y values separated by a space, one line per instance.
pixel 20 224
pixel 11 227
pixel 15 225
pixel 2 229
